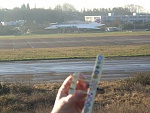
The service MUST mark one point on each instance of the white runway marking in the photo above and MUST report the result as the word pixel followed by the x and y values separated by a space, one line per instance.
pixel 29 44
pixel 73 42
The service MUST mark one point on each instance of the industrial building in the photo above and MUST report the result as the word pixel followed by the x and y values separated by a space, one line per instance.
pixel 124 18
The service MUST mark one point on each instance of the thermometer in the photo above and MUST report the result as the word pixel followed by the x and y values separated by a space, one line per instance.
pixel 93 84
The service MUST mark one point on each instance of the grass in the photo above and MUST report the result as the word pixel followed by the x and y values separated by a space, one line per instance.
pixel 77 35
pixel 131 95
pixel 74 52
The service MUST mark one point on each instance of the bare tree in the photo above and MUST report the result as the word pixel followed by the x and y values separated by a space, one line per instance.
pixel 135 8
pixel 68 7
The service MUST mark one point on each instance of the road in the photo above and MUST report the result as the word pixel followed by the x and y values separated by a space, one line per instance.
pixel 58 70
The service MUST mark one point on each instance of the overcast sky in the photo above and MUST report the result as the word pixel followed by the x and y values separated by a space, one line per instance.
pixel 78 4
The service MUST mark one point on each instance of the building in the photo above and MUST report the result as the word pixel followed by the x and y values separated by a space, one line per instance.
pixel 92 18
pixel 13 23
pixel 124 18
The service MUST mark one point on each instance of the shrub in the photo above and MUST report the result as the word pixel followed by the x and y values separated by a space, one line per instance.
pixel 142 78
pixel 4 89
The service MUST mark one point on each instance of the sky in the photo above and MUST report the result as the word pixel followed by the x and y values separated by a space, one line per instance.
pixel 78 4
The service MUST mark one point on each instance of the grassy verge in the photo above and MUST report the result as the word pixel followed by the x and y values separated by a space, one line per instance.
pixel 131 95
pixel 74 52
pixel 77 35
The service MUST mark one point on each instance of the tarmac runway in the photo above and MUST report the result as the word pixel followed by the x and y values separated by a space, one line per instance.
pixel 58 70
pixel 73 42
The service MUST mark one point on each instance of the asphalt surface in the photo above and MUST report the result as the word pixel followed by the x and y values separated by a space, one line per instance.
pixel 58 70
pixel 73 42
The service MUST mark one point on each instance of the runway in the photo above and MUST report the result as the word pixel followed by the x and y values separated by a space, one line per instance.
pixel 73 42
pixel 58 70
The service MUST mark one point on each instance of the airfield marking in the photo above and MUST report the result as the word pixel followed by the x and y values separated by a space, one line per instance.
pixel 72 42
pixel 29 44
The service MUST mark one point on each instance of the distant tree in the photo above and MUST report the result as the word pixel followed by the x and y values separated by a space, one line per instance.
pixel 120 11
pixel 68 7
pixel 135 8
pixel 58 7
pixel 28 6
pixel 23 7
pixel 16 8
pixel 140 9
pixel 6 30
pixel 83 10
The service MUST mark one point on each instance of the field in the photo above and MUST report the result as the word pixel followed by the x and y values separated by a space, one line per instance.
pixel 74 52
pixel 130 95
pixel 77 35
pixel 88 45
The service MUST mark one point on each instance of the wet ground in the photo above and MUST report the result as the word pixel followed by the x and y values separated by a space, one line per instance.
pixel 73 42
pixel 58 70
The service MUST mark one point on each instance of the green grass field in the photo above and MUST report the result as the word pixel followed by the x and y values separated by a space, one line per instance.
pixel 74 52
pixel 77 35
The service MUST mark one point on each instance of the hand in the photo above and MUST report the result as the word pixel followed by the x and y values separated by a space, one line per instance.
pixel 68 103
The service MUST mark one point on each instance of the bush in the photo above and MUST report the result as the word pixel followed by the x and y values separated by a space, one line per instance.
pixel 142 78
pixel 6 30
pixel 4 89
pixel 21 88
pixel 136 82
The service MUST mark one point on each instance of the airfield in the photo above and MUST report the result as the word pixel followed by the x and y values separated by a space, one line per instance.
pixel 73 42
pixel 40 70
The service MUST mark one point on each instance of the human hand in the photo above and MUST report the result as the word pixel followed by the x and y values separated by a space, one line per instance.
pixel 70 103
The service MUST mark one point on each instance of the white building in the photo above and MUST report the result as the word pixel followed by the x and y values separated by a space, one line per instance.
pixel 92 18
pixel 124 18
pixel 13 23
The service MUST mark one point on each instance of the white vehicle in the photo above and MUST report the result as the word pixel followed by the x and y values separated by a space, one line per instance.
pixel 113 29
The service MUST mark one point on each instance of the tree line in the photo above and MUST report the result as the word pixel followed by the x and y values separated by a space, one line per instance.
pixel 60 13
pixel 39 18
